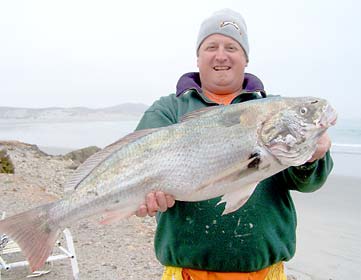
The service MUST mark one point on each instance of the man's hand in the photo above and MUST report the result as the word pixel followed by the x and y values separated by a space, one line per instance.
pixel 323 145
pixel 154 202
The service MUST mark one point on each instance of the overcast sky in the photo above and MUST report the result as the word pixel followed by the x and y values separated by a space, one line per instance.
pixel 102 53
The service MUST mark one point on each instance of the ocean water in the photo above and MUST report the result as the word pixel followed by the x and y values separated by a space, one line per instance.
pixel 66 136
pixel 346 132
pixel 62 137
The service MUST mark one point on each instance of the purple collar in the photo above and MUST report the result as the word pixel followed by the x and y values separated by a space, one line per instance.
pixel 192 80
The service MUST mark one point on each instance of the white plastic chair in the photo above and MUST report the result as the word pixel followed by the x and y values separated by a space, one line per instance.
pixel 59 253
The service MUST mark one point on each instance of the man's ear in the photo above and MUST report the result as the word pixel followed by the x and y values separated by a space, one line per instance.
pixel 197 61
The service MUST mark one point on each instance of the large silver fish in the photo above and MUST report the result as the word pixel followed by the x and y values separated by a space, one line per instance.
pixel 219 151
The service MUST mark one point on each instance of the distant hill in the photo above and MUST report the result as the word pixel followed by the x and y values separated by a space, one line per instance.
pixel 121 111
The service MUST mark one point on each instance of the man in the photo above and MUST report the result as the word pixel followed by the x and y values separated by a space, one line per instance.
pixel 193 240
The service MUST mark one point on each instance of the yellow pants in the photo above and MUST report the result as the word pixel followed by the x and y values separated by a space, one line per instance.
pixel 274 272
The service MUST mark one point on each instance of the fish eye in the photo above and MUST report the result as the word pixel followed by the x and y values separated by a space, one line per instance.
pixel 303 111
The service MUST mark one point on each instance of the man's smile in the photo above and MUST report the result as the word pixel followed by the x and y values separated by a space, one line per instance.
pixel 221 68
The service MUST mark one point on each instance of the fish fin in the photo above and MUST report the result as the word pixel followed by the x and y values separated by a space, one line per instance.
pixel 112 216
pixel 93 161
pixel 227 117
pixel 234 173
pixel 33 233
pixel 235 200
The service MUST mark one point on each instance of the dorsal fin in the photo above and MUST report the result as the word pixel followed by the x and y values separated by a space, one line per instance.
pixel 93 161
pixel 200 112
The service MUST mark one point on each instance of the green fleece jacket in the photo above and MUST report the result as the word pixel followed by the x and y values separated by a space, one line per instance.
pixel 259 234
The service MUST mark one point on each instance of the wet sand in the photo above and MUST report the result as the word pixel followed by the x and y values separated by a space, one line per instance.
pixel 329 231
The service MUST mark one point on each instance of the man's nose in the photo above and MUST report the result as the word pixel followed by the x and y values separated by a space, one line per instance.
pixel 221 55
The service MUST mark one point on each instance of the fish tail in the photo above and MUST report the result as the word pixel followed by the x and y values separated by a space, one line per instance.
pixel 35 234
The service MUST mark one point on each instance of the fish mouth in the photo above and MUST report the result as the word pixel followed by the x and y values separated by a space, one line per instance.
pixel 328 118
pixel 221 68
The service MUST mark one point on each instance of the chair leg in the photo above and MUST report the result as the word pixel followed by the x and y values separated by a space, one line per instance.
pixel 73 259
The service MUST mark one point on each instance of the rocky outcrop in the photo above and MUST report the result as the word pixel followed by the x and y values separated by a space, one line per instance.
pixel 79 156
pixel 48 171
pixel 38 168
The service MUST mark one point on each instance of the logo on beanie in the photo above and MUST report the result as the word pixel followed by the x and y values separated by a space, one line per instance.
pixel 225 23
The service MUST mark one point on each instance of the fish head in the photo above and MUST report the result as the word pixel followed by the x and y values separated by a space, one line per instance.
pixel 292 131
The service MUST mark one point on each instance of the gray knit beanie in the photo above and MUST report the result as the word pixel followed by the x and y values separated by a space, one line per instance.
pixel 226 22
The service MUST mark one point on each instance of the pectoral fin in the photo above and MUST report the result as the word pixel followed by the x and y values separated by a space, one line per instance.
pixel 235 200
pixel 234 173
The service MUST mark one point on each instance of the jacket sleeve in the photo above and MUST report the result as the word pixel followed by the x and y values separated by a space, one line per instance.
pixel 161 113
pixel 308 177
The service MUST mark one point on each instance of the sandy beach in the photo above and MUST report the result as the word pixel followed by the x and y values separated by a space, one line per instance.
pixel 329 241
pixel 328 235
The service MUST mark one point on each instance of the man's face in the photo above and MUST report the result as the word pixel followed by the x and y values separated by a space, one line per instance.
pixel 221 62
